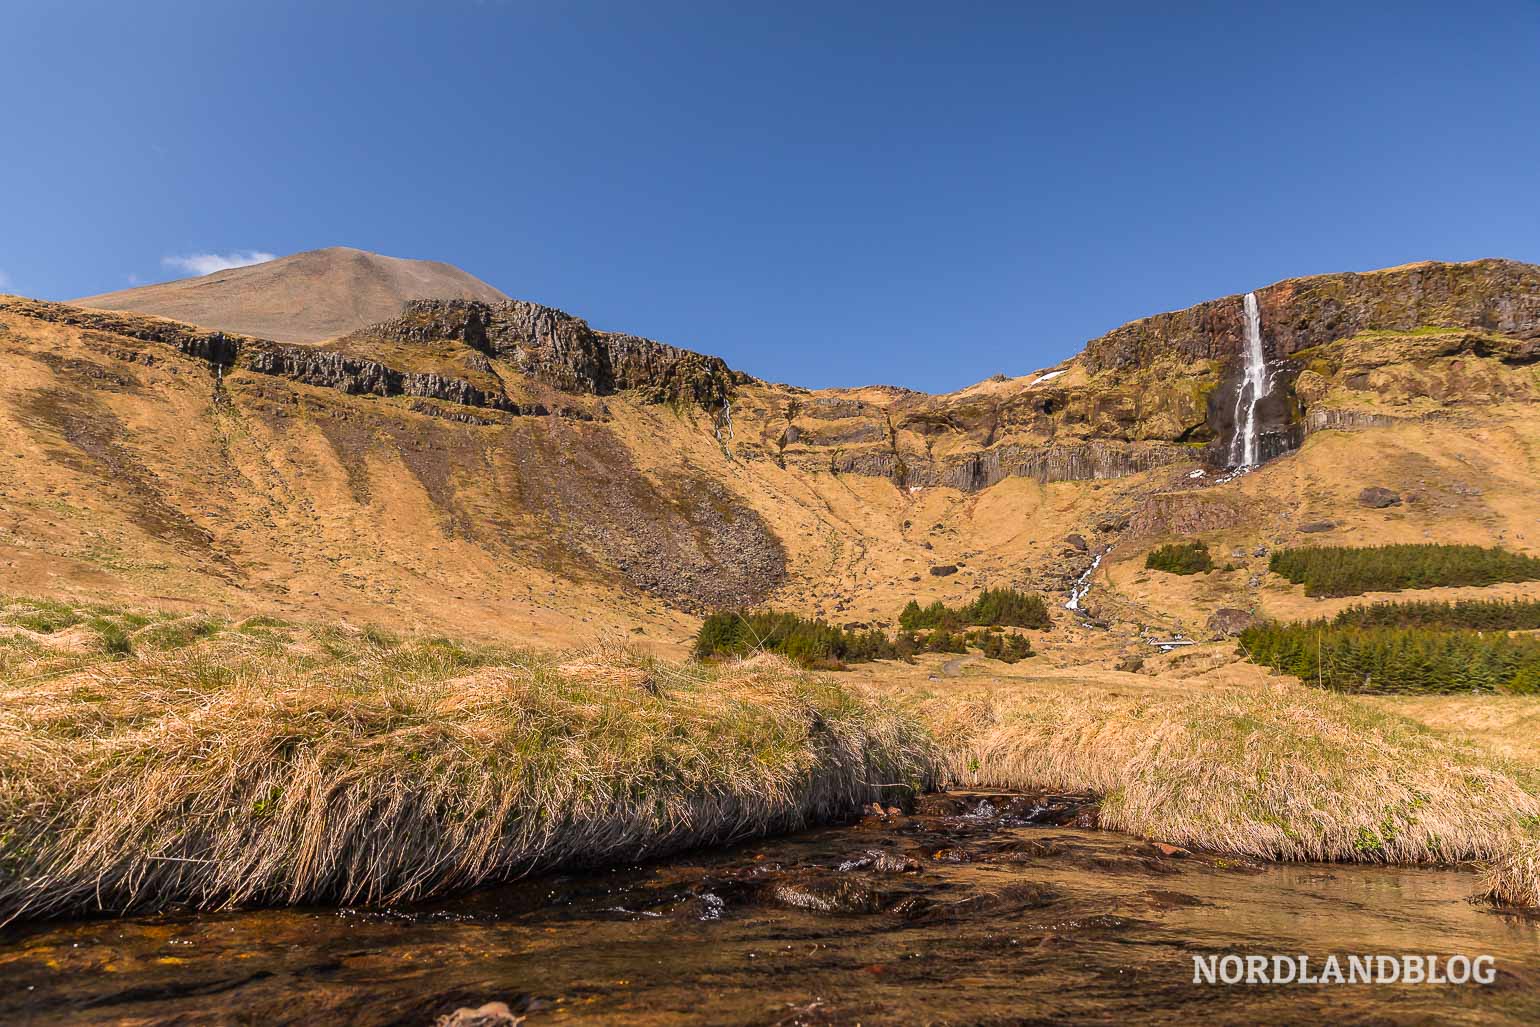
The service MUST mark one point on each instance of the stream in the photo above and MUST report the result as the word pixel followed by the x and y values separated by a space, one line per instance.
pixel 972 908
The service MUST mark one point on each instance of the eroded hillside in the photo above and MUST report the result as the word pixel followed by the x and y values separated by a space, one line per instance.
pixel 504 468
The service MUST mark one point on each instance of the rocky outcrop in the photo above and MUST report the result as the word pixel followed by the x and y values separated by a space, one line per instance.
pixel 1485 308
pixel 355 376
pixel 1500 296
pixel 563 352
pixel 322 368
pixel 210 346
pixel 1228 622
pixel 1045 463
pixel 1377 497
pixel 1347 420
pixel 1075 462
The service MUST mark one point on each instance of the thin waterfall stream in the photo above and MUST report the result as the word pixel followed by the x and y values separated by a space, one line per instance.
pixel 1245 448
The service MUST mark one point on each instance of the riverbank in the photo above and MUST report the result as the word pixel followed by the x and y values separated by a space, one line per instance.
pixel 180 761
pixel 216 766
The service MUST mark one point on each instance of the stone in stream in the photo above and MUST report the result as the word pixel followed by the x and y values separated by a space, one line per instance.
pixel 881 862
pixel 829 895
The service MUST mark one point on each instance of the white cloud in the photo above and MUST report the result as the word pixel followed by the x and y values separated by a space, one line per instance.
pixel 208 263
pixel 5 280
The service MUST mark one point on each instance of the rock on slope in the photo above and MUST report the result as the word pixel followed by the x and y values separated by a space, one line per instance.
pixel 305 297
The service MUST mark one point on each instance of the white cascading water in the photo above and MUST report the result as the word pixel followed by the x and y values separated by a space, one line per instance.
pixel 1245 450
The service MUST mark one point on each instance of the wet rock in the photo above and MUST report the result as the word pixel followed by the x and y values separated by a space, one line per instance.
pixel 1168 851
pixel 1229 622
pixel 879 861
pixel 828 895
pixel 1377 497
pixel 952 854
pixel 1316 527
pixel 1162 899
pixel 1018 850
pixel 493 1014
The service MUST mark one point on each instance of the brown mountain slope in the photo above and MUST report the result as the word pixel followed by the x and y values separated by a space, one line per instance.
pixel 508 470
pixel 306 297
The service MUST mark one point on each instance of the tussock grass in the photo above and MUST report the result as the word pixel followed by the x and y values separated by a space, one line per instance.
pixel 1513 878
pixel 280 765
pixel 219 765
pixel 1278 773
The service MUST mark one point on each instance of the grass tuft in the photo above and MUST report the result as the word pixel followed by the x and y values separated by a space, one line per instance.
pixel 1279 773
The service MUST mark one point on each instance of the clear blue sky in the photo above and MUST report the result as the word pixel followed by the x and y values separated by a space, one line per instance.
pixel 827 194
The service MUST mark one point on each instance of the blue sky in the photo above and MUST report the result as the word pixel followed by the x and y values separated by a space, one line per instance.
pixel 923 194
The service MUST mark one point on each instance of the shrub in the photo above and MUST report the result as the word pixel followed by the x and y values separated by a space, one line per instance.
pixel 1002 646
pixel 808 641
pixel 1395 659
pixel 1005 607
pixel 1180 558
pixel 816 643
pixel 1351 571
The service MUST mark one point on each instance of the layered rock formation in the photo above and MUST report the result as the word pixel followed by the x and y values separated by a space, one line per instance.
pixel 1495 296
pixel 562 351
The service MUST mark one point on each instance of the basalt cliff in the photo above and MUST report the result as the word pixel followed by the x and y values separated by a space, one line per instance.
pixel 500 464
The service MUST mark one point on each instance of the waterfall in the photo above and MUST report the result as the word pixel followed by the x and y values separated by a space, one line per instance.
pixel 1082 584
pixel 1245 450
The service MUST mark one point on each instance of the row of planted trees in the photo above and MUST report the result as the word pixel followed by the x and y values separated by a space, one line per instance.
pixel 936 628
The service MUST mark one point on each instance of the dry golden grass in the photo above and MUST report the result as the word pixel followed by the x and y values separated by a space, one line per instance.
pixel 1279 772
pixel 1513 878
pixel 275 765
pixel 158 760
pixel 1509 725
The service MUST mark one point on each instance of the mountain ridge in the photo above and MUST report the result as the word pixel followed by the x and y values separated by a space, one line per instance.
pixel 503 467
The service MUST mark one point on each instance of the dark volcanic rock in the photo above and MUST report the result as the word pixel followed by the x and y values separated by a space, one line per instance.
pixel 1377 497
pixel 562 351
pixel 1316 527
pixel 1496 295
pixel 943 570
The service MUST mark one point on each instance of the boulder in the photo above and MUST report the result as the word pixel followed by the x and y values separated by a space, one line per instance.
pixel 1316 527
pixel 1229 622
pixel 944 569
pixel 1076 542
pixel 1377 497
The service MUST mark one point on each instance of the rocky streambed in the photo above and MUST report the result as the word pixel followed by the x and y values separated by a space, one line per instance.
pixel 973 908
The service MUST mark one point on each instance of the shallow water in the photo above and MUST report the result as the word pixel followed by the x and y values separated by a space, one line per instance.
pixel 973 910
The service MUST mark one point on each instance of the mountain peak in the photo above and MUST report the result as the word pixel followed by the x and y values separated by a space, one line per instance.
pixel 304 297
